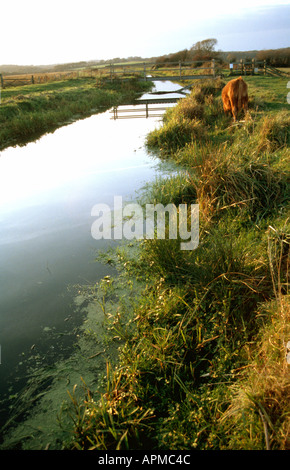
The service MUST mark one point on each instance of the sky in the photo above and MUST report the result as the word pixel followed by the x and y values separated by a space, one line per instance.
pixel 61 31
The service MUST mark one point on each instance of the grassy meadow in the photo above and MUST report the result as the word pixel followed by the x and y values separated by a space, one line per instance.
pixel 203 358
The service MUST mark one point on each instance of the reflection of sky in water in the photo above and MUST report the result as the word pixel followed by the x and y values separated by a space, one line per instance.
pixel 165 86
pixel 47 191
pixel 95 146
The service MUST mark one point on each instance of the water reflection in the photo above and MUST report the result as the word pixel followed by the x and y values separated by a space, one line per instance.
pixel 47 191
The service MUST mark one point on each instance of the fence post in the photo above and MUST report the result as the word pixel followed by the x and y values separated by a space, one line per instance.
pixel 32 79
pixel 144 71
pixel 213 67
pixel 179 69
pixel 253 66
pixel 242 66
pixel 2 81
pixel 265 67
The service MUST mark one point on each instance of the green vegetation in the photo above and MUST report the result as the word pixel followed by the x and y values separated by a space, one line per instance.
pixel 203 51
pixel 203 364
pixel 27 112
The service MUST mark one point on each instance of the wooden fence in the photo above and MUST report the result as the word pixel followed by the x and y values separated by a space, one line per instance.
pixel 119 112
pixel 255 67
pixel 167 71
pixel 28 79
pixel 148 71
pixel 248 67
pixel 144 71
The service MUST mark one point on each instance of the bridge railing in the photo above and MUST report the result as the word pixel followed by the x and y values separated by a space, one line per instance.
pixel 177 69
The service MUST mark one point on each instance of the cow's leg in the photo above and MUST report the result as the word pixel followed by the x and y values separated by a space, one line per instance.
pixel 245 105
pixel 234 109
pixel 226 105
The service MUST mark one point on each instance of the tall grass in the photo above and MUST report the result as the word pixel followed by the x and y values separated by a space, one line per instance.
pixel 258 414
pixel 204 368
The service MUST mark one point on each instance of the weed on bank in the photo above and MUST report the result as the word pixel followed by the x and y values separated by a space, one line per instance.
pixel 205 364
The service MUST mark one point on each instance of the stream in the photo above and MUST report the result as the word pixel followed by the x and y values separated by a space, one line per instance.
pixel 47 191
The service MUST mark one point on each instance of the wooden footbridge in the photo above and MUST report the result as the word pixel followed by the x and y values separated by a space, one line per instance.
pixel 169 71
pixel 150 105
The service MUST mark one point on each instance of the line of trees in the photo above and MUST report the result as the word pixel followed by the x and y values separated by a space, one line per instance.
pixel 275 57
pixel 203 51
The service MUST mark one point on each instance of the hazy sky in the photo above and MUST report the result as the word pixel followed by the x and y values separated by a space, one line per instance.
pixel 39 33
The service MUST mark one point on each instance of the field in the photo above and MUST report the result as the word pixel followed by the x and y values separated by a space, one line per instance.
pixel 98 72
pixel 203 363
pixel 38 77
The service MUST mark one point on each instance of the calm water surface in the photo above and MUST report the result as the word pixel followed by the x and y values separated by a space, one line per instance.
pixel 47 191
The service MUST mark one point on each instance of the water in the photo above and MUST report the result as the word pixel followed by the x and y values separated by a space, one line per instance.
pixel 47 191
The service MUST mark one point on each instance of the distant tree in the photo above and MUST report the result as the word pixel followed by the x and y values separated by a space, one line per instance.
pixel 231 58
pixel 275 57
pixel 206 46
pixel 180 56
pixel 204 50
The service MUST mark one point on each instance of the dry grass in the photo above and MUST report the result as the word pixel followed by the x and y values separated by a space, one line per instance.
pixel 259 415
pixel 275 132
pixel 37 78
pixel 189 108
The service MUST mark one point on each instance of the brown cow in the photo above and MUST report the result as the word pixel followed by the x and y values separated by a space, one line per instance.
pixel 235 97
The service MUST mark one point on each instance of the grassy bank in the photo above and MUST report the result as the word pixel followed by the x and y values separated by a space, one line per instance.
pixel 204 367
pixel 29 111
pixel 203 339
